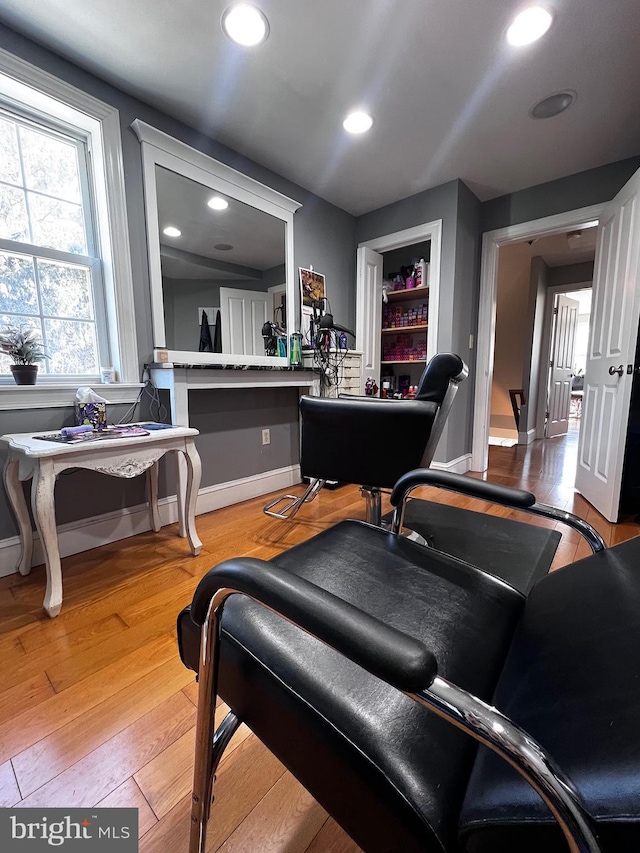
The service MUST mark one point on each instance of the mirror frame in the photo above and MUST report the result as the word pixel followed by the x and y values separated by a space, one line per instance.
pixel 160 149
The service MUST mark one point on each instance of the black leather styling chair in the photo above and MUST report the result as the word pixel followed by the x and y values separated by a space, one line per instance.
pixel 370 665
pixel 372 441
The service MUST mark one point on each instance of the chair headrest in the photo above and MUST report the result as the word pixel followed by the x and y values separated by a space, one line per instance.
pixel 437 375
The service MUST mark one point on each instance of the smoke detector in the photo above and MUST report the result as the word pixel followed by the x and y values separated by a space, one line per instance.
pixel 574 239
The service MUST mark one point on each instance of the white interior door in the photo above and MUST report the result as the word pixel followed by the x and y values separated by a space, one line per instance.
pixel 369 313
pixel 243 314
pixel 612 343
pixel 561 369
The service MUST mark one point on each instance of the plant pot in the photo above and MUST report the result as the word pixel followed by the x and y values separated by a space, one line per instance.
pixel 24 374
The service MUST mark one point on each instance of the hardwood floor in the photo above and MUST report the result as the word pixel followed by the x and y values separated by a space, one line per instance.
pixel 97 709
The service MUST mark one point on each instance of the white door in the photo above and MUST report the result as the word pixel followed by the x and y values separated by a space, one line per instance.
pixel 562 355
pixel 242 315
pixel 612 344
pixel 369 313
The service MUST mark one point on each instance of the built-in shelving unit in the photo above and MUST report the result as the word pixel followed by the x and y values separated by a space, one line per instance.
pixel 403 336
pixel 395 329
pixel 390 305
pixel 408 294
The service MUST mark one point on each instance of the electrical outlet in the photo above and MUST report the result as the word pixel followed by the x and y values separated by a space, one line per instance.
pixel 266 436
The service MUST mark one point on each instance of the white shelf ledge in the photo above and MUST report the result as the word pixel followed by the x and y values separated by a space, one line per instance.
pixel 61 396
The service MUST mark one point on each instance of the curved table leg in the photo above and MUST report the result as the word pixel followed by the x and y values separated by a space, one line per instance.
pixel 194 471
pixel 152 496
pixel 42 490
pixel 181 489
pixel 18 504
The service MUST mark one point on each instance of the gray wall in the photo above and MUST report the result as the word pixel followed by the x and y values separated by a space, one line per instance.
pixel 323 236
pixel 465 316
pixel 571 193
pixel 236 423
pixel 571 273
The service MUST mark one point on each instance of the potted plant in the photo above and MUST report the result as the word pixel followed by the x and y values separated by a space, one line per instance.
pixel 24 347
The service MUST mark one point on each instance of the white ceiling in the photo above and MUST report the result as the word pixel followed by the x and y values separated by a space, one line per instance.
pixel 557 251
pixel 449 96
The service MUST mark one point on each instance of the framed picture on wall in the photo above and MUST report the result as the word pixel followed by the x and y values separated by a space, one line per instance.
pixel 311 286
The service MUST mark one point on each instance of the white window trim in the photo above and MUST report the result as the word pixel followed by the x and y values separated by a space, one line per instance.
pixel 103 122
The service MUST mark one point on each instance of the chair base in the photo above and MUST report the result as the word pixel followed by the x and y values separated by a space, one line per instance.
pixel 290 504
pixel 286 507
pixel 373 498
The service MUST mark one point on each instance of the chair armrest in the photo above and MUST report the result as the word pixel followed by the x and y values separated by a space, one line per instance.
pixel 384 651
pixel 493 492
pixel 505 495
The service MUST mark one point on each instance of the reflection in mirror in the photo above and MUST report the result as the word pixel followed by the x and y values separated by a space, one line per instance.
pixel 226 261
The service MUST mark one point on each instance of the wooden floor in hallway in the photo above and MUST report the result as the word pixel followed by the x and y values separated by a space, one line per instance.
pixel 96 708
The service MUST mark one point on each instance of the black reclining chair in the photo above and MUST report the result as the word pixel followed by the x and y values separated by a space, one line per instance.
pixel 351 655
pixel 372 441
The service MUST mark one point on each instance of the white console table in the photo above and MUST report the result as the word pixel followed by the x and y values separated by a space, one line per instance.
pixel 30 457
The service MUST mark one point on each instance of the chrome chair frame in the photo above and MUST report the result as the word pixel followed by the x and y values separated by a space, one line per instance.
pixel 483 722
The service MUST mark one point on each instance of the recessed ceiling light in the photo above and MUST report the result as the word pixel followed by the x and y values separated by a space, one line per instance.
pixel 218 203
pixel 553 105
pixel 223 247
pixel 529 26
pixel 357 122
pixel 170 231
pixel 245 25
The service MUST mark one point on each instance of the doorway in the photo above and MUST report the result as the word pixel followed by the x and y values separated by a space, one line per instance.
pixel 541 327
pixel 569 343
pixel 492 243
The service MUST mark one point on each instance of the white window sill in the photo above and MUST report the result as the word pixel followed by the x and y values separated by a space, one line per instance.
pixel 62 395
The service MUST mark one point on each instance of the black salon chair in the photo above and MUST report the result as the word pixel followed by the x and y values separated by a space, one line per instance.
pixel 371 441
pixel 364 661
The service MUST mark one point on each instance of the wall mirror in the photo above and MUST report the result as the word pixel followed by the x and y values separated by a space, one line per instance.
pixel 219 243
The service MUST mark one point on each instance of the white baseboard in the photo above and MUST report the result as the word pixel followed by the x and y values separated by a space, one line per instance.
pixel 457 466
pixel 235 491
pixel 87 533
pixel 527 437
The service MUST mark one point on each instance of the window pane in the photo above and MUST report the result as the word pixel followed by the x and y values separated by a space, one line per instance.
pixel 17 285
pixel 13 214
pixel 9 159
pixel 65 290
pixel 50 165
pixel 57 224
pixel 72 347
pixel 18 321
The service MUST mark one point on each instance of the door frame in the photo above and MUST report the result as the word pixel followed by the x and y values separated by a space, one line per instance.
pixel 492 241
pixel 398 240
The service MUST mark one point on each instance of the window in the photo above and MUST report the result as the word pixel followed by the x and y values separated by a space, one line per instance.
pixel 65 269
pixel 50 274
